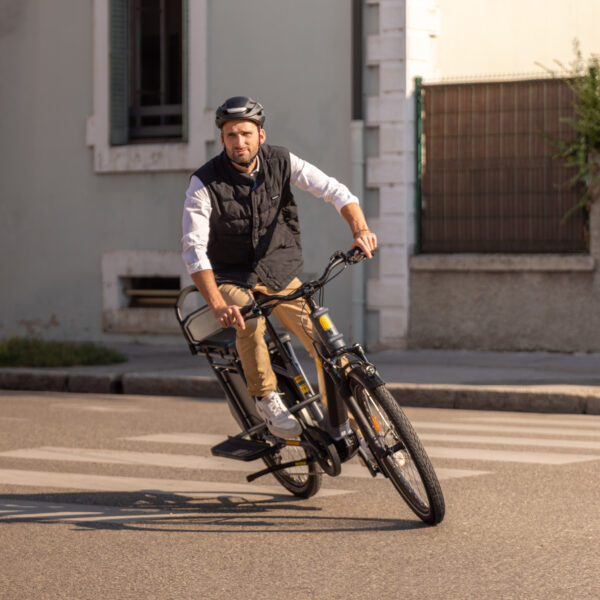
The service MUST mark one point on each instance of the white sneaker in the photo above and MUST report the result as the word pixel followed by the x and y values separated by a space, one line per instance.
pixel 278 418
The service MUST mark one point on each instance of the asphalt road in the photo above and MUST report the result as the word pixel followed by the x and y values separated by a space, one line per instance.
pixel 117 497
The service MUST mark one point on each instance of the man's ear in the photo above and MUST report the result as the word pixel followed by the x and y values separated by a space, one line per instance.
pixel 262 136
pixel 222 141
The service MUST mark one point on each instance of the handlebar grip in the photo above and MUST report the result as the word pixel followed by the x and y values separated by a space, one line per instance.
pixel 244 310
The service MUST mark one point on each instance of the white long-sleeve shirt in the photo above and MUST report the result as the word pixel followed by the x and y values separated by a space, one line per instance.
pixel 198 207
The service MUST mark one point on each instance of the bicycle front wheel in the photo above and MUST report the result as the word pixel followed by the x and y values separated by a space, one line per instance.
pixel 398 450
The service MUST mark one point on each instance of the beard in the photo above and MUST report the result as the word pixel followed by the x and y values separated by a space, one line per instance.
pixel 241 162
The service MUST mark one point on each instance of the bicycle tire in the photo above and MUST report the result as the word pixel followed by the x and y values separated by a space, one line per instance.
pixel 302 481
pixel 398 450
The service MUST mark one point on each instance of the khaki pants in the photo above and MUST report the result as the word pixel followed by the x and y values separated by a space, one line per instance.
pixel 250 342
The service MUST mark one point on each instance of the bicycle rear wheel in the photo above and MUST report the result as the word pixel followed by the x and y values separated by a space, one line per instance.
pixel 398 451
pixel 304 480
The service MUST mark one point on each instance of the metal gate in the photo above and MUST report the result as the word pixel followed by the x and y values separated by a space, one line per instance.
pixel 487 182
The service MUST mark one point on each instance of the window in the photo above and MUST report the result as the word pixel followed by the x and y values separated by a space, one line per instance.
pixel 149 109
pixel 139 289
pixel 147 70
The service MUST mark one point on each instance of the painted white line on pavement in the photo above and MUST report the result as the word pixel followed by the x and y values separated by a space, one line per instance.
pixel 583 421
pixel 199 439
pixel 107 483
pixel 509 441
pixel 62 511
pixel 353 469
pixel 541 458
pixel 421 425
pixel 186 461
pixel 98 407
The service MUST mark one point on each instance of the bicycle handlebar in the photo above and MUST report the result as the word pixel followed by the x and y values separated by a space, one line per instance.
pixel 351 257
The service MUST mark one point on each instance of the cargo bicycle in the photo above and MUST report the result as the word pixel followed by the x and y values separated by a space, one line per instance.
pixel 358 417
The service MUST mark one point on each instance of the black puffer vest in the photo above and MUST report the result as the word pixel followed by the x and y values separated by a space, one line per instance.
pixel 254 230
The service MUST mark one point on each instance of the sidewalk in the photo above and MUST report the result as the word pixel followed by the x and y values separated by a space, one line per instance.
pixel 522 381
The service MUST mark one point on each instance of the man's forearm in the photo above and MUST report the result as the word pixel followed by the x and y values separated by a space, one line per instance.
pixel 355 218
pixel 363 237
pixel 226 315
pixel 207 285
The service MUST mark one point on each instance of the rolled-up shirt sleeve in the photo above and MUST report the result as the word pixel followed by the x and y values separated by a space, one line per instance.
pixel 196 226
pixel 310 179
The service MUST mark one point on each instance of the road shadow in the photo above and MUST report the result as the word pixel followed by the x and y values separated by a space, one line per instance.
pixel 152 511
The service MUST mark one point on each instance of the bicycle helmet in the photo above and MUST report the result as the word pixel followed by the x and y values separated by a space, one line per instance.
pixel 240 107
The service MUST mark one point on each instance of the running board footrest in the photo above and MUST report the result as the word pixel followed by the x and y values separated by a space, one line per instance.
pixel 241 449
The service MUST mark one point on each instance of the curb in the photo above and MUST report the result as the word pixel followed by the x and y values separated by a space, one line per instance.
pixel 541 399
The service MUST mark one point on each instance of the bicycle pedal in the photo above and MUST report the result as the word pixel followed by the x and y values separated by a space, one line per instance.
pixel 241 449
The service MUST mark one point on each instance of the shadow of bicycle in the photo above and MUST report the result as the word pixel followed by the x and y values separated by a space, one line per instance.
pixel 152 511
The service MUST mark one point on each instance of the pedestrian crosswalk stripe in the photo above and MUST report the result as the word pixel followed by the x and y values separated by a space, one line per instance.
pixel 451 425
pixel 11 509
pixel 201 439
pixel 509 441
pixel 432 451
pixel 185 461
pixel 112 483
pixel 543 458
pixel 580 421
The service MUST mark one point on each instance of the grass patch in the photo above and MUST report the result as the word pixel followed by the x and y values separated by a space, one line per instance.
pixel 33 352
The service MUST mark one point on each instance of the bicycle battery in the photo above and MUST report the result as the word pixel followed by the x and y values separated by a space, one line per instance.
pixel 199 325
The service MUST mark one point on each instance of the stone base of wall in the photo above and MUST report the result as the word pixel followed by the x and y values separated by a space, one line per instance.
pixel 502 302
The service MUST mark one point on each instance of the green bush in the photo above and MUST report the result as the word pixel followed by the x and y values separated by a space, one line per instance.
pixel 581 151
pixel 34 352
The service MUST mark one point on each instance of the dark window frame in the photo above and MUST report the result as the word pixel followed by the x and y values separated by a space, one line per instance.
pixel 157 114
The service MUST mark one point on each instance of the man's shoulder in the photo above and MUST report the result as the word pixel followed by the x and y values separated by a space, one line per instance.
pixel 275 151
pixel 209 171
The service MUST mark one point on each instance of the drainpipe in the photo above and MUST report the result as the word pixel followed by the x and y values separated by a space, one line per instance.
pixel 419 160
pixel 358 271
pixel 358 162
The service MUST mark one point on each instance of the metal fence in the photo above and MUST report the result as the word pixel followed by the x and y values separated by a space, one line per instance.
pixel 487 181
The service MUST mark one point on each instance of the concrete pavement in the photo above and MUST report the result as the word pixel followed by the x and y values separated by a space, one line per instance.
pixel 525 381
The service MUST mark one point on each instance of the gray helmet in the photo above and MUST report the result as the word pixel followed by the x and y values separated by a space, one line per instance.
pixel 240 107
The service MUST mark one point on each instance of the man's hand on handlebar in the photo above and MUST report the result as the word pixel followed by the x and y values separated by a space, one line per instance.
pixel 228 316
pixel 366 240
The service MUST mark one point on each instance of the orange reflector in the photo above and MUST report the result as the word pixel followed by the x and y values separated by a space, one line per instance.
pixel 376 423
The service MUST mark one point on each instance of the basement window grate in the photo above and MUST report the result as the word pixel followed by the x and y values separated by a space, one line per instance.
pixel 150 292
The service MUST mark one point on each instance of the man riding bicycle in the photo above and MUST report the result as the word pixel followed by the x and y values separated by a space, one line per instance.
pixel 241 236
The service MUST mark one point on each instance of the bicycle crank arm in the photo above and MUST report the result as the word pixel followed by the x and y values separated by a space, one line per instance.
pixel 280 467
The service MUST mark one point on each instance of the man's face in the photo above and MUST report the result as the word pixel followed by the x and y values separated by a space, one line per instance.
pixel 241 140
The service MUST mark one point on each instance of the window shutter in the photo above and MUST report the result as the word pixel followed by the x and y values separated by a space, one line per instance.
pixel 185 53
pixel 119 72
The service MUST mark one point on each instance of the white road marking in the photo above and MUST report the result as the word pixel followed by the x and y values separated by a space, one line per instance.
pixel 199 439
pixel 99 407
pixel 583 421
pixel 541 458
pixel 62 511
pixel 451 425
pixel 186 461
pixel 509 441
pixel 107 483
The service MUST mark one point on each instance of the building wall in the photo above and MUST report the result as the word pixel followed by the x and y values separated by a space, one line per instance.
pixel 64 208
pixel 513 36
pixel 508 302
